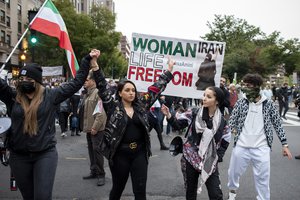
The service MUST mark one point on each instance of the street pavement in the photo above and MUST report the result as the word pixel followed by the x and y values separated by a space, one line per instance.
pixel 165 180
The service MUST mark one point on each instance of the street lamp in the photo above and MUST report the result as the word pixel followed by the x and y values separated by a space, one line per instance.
pixel 23 58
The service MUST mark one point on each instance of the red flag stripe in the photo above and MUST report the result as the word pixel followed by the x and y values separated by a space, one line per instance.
pixel 53 29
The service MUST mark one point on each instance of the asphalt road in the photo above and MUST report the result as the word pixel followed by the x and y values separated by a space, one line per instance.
pixel 164 177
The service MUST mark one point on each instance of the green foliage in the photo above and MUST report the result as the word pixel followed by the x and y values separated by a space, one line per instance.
pixel 85 32
pixel 249 50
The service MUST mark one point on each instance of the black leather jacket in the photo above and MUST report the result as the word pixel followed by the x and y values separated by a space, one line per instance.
pixel 116 115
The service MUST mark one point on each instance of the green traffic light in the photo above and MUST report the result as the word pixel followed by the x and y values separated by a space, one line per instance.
pixel 33 40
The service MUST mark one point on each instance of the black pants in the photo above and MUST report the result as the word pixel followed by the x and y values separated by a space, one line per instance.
pixel 125 162
pixel 213 184
pixel 285 105
pixel 63 121
pixel 35 173
pixel 96 158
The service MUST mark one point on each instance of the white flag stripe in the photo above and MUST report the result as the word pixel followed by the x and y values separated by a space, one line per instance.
pixel 49 15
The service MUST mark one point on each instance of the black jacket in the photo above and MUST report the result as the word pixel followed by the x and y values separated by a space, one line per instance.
pixel 21 142
pixel 116 115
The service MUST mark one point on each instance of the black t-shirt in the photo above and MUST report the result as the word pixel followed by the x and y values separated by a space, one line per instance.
pixel 134 130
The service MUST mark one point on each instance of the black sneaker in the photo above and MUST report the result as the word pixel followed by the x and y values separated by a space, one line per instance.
pixel 90 176
pixel 284 117
pixel 100 181
pixel 163 147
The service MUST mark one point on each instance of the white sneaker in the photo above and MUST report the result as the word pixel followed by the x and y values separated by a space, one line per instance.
pixel 63 135
pixel 231 196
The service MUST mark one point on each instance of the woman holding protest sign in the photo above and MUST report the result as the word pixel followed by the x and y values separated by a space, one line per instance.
pixel 126 135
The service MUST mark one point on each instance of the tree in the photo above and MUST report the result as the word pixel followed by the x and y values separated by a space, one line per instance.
pixel 85 32
pixel 249 50
pixel 106 40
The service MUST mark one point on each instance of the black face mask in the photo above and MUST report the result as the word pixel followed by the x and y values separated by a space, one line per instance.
pixel 27 87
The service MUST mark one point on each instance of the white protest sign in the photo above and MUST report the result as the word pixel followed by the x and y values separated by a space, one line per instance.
pixel 198 64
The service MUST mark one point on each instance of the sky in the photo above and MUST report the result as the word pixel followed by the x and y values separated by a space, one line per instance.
pixel 187 19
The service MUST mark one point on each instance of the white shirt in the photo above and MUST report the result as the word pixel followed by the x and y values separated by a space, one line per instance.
pixel 253 134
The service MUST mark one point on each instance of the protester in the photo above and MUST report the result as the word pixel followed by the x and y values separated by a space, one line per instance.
pixel 251 120
pixel 169 102
pixel 268 92
pixel 208 137
pixel 126 133
pixel 226 103
pixel 74 118
pixel 93 126
pixel 32 143
pixel 233 97
pixel 283 100
pixel 63 116
pixel 155 118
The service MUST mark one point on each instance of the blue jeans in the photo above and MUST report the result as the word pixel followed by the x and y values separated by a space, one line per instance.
pixel 35 173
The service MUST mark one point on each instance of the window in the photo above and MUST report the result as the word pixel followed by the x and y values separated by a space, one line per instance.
pixel 7 3
pixel 2 35
pixel 7 21
pixel 8 40
pixel 19 9
pixel 19 27
pixel 2 16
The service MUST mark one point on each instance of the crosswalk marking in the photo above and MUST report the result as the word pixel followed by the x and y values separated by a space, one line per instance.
pixel 292 119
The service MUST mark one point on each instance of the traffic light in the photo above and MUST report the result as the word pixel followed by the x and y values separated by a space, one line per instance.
pixel 33 38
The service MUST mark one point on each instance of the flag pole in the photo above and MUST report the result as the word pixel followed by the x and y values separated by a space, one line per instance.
pixel 10 55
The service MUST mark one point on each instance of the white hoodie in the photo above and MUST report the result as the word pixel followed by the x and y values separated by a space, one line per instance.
pixel 253 134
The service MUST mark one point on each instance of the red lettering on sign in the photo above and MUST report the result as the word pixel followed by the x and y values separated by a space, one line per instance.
pixel 140 72
pixel 152 75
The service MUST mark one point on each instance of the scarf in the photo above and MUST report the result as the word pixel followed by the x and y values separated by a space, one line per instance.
pixel 207 147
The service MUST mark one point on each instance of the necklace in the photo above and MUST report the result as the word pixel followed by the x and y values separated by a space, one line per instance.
pixel 129 110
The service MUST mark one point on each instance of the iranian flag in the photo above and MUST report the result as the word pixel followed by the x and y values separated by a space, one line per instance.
pixel 49 21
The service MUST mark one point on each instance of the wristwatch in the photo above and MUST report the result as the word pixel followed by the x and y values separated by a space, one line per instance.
pixel 285 145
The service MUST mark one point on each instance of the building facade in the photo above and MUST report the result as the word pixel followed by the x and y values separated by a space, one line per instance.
pixel 124 47
pixel 84 6
pixel 13 23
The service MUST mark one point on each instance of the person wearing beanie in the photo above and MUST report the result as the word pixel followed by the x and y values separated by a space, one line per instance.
pixel 32 70
pixel 253 120
pixel 31 142
pixel 207 138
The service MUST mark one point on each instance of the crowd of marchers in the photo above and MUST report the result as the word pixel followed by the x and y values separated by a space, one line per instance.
pixel 117 121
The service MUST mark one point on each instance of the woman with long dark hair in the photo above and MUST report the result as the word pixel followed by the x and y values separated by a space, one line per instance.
pixel 207 139
pixel 127 131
